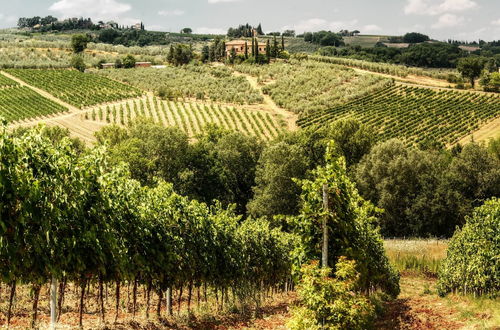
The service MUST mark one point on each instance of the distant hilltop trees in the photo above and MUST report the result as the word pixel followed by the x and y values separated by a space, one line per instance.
pixel 51 23
pixel 245 31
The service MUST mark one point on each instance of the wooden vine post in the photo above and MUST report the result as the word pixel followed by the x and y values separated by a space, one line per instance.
pixel 324 250
pixel 53 303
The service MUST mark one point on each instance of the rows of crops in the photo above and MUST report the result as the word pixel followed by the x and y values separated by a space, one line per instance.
pixel 76 88
pixel 190 117
pixel 415 114
pixel 217 84
pixel 310 86
pixel 6 82
pixel 74 219
pixel 19 103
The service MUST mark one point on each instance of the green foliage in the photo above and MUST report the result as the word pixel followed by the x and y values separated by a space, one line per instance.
pixel 275 191
pixel 129 61
pixel 351 225
pixel 471 67
pixel 75 217
pixel 471 265
pixel 331 302
pixel 180 54
pixel 426 193
pixel 76 88
pixel 415 37
pixel 307 86
pixel 79 42
pixel 216 84
pixel 20 103
pixel 78 63
pixel 491 81
pixel 414 114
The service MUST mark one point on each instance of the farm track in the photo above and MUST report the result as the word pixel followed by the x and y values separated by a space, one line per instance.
pixel 271 106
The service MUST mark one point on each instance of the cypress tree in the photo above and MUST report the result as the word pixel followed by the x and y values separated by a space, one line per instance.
pixel 275 47
pixel 253 46
pixel 246 50
pixel 268 50
pixel 282 43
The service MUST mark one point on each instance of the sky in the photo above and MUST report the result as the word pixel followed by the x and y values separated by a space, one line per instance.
pixel 440 19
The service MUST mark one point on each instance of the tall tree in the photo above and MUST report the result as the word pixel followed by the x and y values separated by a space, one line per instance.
pixel 471 68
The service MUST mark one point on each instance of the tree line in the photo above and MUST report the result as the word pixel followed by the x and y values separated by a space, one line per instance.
pixel 425 190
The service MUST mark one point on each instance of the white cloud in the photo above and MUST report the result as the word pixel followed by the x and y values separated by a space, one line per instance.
pixel 496 22
pixel 448 21
pixel 429 7
pixel 97 9
pixel 175 12
pixel 316 24
pixel 207 30
pixel 371 28
pixel 221 1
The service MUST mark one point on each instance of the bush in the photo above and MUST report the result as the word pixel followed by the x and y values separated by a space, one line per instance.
pixel 129 62
pixel 331 303
pixel 471 264
pixel 78 63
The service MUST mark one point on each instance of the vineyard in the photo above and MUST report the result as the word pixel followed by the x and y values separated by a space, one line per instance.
pixel 6 82
pixel 415 114
pixel 202 82
pixel 311 86
pixel 74 219
pixel 191 117
pixel 76 88
pixel 19 103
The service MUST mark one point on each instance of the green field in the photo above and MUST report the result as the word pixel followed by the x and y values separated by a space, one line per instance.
pixel 6 82
pixel 309 86
pixel 191 117
pixel 191 81
pixel 76 88
pixel 19 103
pixel 415 114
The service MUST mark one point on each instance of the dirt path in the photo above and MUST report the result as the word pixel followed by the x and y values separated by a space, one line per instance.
pixel 419 307
pixel 289 117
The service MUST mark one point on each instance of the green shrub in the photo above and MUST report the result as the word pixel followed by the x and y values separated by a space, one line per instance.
pixel 472 263
pixel 331 302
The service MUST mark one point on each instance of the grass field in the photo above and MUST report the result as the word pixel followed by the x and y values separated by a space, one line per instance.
pixel 415 114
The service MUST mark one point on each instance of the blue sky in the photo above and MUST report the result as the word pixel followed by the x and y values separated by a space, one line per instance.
pixel 441 19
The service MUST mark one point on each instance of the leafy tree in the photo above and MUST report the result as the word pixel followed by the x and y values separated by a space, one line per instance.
pixel 415 37
pixel 79 42
pixel 187 30
pixel 275 191
pixel 129 61
pixel 471 68
pixel 180 54
pixel 78 63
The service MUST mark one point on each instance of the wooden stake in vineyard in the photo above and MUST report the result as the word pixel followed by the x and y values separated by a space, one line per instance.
pixel 324 251
pixel 53 301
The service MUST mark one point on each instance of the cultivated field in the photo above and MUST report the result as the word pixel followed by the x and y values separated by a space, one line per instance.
pixel 416 114
pixel 20 103
pixel 202 82
pixel 76 88
pixel 308 86
pixel 191 117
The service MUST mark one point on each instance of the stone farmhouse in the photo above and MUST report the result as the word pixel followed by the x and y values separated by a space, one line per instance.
pixel 239 47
